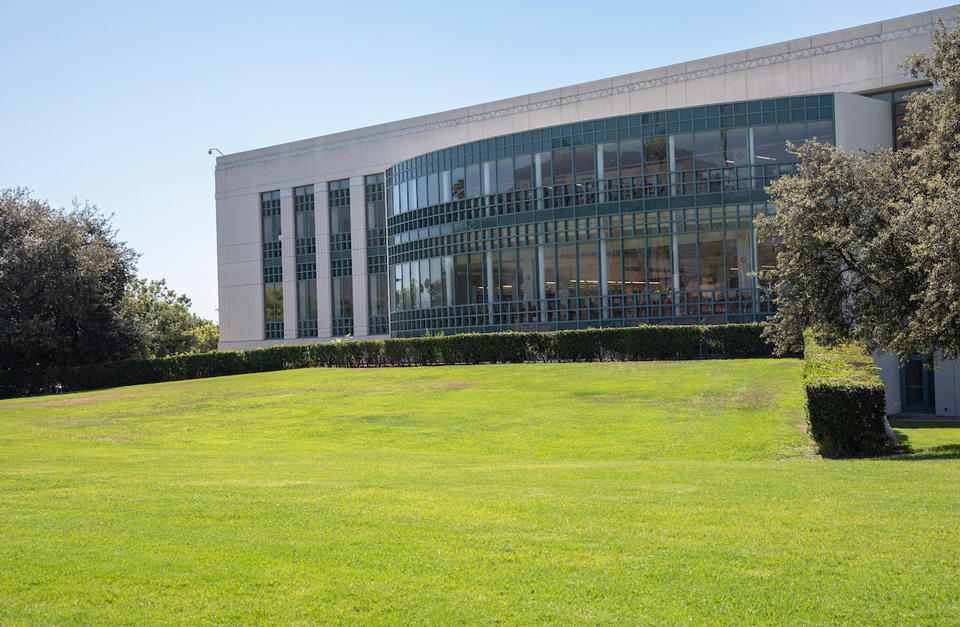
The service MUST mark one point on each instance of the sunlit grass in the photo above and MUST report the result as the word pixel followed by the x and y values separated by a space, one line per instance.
pixel 643 493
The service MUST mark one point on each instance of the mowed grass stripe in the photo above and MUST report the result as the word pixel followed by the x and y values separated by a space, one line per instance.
pixel 657 493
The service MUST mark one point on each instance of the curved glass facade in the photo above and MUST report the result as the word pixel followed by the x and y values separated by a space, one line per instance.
pixel 639 219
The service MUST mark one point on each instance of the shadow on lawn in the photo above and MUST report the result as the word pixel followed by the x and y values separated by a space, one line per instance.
pixel 944 452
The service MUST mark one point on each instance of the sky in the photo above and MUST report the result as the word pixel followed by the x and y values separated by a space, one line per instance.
pixel 117 103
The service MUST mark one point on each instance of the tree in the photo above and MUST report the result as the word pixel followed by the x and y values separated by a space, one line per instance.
pixel 164 320
pixel 871 243
pixel 63 275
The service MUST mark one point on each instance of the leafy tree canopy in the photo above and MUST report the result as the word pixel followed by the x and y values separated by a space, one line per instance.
pixel 63 275
pixel 164 320
pixel 871 242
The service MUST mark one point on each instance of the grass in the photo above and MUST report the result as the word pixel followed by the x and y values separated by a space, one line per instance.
pixel 558 494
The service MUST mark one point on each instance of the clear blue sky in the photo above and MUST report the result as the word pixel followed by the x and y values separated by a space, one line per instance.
pixel 118 102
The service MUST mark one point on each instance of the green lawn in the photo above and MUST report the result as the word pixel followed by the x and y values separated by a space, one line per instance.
pixel 652 493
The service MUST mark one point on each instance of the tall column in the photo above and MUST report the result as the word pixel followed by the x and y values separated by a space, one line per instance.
pixel 324 284
pixel 358 245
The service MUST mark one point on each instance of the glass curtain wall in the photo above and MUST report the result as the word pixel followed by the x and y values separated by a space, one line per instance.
pixel 642 219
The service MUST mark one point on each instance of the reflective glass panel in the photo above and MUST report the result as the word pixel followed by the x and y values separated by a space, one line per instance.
pixel 610 170
pixel 709 150
pixel 584 165
pixel 794 133
pixel 735 147
pixel 764 142
pixel 710 253
pixel 543 169
pixel 505 175
pixel 634 268
pixel 654 155
pixel 473 180
pixel 681 152
pixel 658 263
pixel 631 157
pixel 562 166
pixel 523 172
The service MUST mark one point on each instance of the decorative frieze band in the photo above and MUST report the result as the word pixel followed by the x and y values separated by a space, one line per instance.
pixel 806 53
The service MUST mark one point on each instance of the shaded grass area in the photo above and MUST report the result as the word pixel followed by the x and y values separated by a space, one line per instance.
pixel 612 493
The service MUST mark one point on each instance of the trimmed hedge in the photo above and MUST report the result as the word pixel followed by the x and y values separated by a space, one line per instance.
pixel 621 344
pixel 846 411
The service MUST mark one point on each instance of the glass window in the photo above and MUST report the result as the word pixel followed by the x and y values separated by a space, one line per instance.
pixel 681 151
pixel 412 194
pixel 422 197
pixel 523 172
pixel 584 165
pixel 273 302
pixel 527 273
pixel 739 258
pixel 822 130
pixel 566 271
pixel 764 142
pixel 436 282
pixel 307 300
pixel 610 170
pixel 687 262
pixel 398 290
pixel 406 287
pixel 393 200
pixel 508 273
pixel 473 180
pixel 476 278
pixel 271 229
pixel 433 189
pixel 710 254
pixel 505 176
pixel 589 269
pixel 614 275
pixel 403 198
pixel 794 133
pixel 654 154
pixel 549 272
pixel 377 294
pixel 634 266
pixel 735 147
pixel 563 166
pixel 414 285
pixel 709 150
pixel 462 280
pixel 543 169
pixel 459 189
pixel 658 263
pixel 342 297
pixel 631 157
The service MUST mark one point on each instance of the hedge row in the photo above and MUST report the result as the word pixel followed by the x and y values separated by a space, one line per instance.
pixel 846 412
pixel 626 344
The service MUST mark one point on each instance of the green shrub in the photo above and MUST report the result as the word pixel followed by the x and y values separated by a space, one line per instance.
pixel 627 344
pixel 845 401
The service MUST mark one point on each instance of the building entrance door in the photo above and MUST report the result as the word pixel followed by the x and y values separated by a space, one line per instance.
pixel 917 386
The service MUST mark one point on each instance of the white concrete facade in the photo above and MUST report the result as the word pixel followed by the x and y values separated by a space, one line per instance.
pixel 846 63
